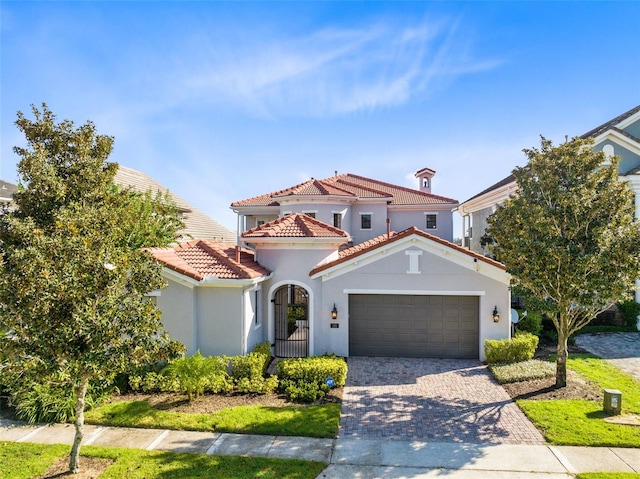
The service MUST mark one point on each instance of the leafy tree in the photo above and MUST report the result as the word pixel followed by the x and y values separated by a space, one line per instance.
pixel 73 271
pixel 568 237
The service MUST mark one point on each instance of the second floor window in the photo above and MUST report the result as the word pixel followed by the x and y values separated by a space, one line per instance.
pixel 365 221
pixel 432 222
pixel 310 214
pixel 337 220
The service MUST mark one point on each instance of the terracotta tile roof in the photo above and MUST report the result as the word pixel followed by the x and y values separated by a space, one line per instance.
pixel 382 240
pixel 349 185
pixel 201 259
pixel 296 225
pixel 401 195
pixel 197 224
pixel 313 188
pixel 611 123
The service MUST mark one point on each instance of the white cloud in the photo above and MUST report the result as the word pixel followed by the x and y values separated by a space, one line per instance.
pixel 328 72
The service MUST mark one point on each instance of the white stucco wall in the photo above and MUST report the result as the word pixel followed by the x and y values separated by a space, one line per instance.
pixel 219 321
pixel 254 332
pixel 401 220
pixel 378 221
pixel 177 303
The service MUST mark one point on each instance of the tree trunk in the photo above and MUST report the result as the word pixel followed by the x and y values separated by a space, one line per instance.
pixel 561 361
pixel 74 460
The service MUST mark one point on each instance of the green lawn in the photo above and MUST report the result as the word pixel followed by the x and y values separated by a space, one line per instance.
pixel 26 461
pixel 580 422
pixel 311 421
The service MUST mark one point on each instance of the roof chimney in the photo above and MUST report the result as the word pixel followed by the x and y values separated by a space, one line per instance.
pixel 424 176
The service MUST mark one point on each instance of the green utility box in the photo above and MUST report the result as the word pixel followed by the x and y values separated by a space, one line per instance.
pixel 612 401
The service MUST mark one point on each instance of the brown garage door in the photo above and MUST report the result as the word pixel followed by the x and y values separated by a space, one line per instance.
pixel 413 326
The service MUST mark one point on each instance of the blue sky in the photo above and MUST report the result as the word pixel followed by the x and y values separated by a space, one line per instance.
pixel 221 101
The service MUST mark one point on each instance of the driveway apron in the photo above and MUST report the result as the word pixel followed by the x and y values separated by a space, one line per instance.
pixel 444 400
pixel 620 349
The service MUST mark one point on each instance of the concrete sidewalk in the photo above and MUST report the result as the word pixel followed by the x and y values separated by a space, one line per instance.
pixel 372 458
pixel 286 447
pixel 356 458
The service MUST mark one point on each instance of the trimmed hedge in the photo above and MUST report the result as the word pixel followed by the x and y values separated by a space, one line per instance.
pixel 519 348
pixel 304 379
pixel 522 371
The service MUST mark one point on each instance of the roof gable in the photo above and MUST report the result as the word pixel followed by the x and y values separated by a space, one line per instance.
pixel 296 225
pixel 450 251
pixel 203 259
pixel 597 131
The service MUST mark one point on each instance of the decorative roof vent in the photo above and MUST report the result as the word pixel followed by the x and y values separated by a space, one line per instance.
pixel 424 176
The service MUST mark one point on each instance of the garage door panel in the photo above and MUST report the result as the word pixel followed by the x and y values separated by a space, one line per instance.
pixel 413 326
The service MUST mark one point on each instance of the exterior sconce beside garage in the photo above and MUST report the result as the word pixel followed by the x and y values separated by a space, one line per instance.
pixel 496 315
pixel 334 312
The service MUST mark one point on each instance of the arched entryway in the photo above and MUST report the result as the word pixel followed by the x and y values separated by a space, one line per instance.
pixel 291 321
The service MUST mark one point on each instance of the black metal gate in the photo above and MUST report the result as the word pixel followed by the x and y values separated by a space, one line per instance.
pixel 291 315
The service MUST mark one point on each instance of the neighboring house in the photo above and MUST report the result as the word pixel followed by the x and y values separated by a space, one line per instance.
pixel 620 136
pixel 321 271
pixel 6 192
pixel 197 224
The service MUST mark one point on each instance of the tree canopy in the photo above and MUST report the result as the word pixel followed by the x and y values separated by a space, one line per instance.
pixel 74 275
pixel 568 236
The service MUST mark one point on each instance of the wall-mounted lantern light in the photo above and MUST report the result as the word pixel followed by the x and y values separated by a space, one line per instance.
pixel 334 312
pixel 496 315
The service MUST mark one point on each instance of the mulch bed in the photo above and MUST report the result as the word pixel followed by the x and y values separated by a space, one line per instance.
pixel 540 389
pixel 209 403
pixel 90 468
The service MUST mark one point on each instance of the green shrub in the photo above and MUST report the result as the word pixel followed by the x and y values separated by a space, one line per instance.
pixel 522 371
pixel 197 374
pixel 531 323
pixel 629 310
pixel 259 385
pixel 248 373
pixel 303 392
pixel 519 348
pixel 45 402
pixel 264 348
pixel 249 366
pixel 304 378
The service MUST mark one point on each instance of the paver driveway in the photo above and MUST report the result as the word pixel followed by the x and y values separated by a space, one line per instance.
pixel 446 400
pixel 620 349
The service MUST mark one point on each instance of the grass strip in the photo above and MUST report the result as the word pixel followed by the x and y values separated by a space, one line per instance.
pixel 581 422
pixel 25 461
pixel 311 421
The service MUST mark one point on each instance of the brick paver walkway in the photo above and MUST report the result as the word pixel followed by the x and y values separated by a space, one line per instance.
pixel 621 349
pixel 445 400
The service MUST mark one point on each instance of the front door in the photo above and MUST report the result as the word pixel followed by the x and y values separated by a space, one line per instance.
pixel 291 315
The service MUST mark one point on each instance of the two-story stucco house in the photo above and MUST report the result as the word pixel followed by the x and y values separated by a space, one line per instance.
pixel 346 265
